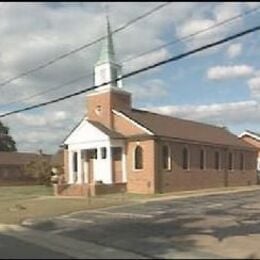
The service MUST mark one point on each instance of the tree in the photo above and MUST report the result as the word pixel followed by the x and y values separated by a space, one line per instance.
pixel 7 144
pixel 39 169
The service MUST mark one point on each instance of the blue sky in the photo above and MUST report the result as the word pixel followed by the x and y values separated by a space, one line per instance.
pixel 220 86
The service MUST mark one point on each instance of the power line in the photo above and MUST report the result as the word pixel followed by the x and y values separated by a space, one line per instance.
pixel 174 58
pixel 189 36
pixel 196 33
pixel 50 62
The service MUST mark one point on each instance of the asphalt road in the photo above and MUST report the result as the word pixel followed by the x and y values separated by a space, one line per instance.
pixel 12 248
pixel 215 226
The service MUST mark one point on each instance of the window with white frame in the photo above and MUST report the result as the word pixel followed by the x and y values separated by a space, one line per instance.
pixel 138 158
pixel 166 157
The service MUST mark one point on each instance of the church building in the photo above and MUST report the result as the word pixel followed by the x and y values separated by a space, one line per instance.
pixel 118 148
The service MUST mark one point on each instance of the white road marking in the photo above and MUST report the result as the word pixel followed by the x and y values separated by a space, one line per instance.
pixel 123 214
pixel 215 205
pixel 76 220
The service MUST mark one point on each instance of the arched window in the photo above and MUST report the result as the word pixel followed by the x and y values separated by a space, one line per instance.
pixel 202 159
pixel 230 161
pixel 242 162
pixel 217 160
pixel 185 159
pixel 166 157
pixel 138 158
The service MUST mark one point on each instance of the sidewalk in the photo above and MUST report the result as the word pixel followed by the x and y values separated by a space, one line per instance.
pixel 204 192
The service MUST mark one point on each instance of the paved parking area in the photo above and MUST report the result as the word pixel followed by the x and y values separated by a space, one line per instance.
pixel 216 226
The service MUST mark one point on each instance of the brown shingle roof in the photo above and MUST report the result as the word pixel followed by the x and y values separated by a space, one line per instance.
pixel 167 126
pixel 17 158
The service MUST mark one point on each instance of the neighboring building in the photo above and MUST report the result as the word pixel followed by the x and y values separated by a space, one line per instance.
pixel 253 139
pixel 13 167
pixel 116 147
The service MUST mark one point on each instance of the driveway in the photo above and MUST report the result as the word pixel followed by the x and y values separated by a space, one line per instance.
pixel 215 226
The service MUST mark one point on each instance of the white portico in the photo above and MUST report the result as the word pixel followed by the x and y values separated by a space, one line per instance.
pixel 94 155
pixel 96 152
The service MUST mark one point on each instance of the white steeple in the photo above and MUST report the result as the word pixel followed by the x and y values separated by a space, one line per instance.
pixel 106 68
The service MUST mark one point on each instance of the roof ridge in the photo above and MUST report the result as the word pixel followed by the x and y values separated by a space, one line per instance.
pixel 252 132
pixel 182 119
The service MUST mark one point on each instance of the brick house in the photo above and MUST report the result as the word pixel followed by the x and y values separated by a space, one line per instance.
pixel 254 139
pixel 13 167
pixel 116 147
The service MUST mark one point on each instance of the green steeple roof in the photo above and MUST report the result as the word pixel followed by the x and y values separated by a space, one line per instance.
pixel 107 53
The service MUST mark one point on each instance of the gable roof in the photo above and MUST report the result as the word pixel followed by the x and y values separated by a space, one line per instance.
pixel 108 132
pixel 252 134
pixel 18 158
pixel 173 127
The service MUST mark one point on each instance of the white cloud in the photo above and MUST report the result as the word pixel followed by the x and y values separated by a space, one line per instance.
pixel 253 4
pixel 201 21
pixel 31 34
pixel 234 50
pixel 148 90
pixel 229 72
pixel 254 85
pixel 218 113
pixel 145 60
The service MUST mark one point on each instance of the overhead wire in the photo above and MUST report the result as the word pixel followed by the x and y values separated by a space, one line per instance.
pixel 184 38
pixel 135 72
pixel 84 46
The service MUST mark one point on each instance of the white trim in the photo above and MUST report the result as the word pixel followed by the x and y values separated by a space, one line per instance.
pixel 79 167
pixel 124 175
pixel 132 121
pixel 250 134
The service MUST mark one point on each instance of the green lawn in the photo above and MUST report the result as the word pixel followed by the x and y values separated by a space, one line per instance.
pixel 16 193
pixel 23 202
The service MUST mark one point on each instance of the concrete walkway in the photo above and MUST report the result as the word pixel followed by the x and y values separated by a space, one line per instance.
pixel 204 192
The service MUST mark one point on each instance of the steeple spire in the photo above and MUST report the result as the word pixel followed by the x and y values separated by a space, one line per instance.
pixel 107 53
pixel 107 69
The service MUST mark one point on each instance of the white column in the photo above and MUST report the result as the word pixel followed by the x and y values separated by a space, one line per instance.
pixel 79 162
pixel 109 164
pixel 124 175
pixel 70 167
